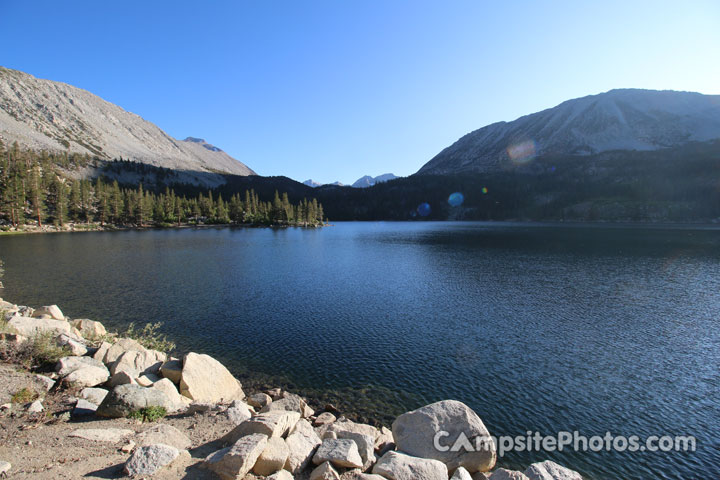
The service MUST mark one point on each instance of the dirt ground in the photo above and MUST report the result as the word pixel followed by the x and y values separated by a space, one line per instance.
pixel 39 446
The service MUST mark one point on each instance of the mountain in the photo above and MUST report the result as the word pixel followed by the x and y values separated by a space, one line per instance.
pixel 46 115
pixel 311 183
pixel 627 119
pixel 368 181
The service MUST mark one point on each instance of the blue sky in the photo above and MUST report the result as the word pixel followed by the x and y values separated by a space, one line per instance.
pixel 333 90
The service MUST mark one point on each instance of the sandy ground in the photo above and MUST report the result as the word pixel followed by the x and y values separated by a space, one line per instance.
pixel 39 446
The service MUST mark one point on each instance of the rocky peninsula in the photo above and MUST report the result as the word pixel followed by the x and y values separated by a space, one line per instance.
pixel 112 407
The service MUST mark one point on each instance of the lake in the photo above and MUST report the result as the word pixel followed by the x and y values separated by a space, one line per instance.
pixel 546 328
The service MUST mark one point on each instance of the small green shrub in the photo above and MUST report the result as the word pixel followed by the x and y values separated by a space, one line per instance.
pixel 150 337
pixel 148 414
pixel 41 350
pixel 24 395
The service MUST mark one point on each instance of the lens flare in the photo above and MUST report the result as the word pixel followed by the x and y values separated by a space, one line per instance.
pixel 484 190
pixel 522 152
pixel 456 199
pixel 423 209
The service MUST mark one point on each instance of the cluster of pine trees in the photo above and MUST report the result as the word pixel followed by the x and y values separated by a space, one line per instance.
pixel 34 189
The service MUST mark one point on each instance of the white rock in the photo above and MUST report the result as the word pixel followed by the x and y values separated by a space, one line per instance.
pixel 88 376
pixel 93 395
pixel 365 445
pixel 384 438
pixel 205 379
pixel 272 458
pixel 281 475
pixel 76 348
pixel 324 472
pixel 102 351
pixel 238 412
pixel 176 401
pixel 122 378
pixel 31 327
pixel 503 474
pixel 149 459
pixel 291 403
pixel 302 443
pixel 259 400
pixel 67 365
pixel 324 418
pixel 166 434
pixel 4 467
pixel 356 474
pixel 36 407
pixel 121 346
pixel 398 466
pixel 461 474
pixel 89 329
pixel 339 452
pixel 235 462
pixel 275 424
pixel 548 470
pixel 126 399
pixel 142 362
pixel 172 369
pixel 147 379
pixel 53 311
pixel 46 382
pixel 113 435
pixel 415 434
pixel 345 425
pixel 83 408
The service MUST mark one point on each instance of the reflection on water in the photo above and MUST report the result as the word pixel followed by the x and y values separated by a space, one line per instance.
pixel 537 327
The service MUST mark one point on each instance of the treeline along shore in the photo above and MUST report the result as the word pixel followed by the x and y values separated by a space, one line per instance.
pixel 39 192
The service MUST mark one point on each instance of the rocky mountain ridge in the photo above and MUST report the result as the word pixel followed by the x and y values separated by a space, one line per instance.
pixel 625 119
pixel 46 115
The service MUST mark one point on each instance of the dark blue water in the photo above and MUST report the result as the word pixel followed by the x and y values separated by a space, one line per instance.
pixel 537 327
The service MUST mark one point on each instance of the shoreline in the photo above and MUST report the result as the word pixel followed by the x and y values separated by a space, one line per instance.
pixel 150 385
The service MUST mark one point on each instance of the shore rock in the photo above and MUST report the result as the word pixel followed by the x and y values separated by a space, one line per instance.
pixel 4 467
pixel 324 418
pixel 415 431
pixel 274 424
pixel 235 462
pixel 365 445
pixel 102 351
pixel 172 370
pixel 140 362
pixel 204 379
pixel 30 327
pixel 53 311
pixel 36 407
pixel 89 329
pixel 76 348
pixel 83 408
pixel 504 474
pixel 339 452
pixel 94 395
pixel 272 458
pixel 238 412
pixel 324 472
pixel 549 470
pixel 461 474
pixel 126 399
pixel 149 459
pixel 345 425
pixel 122 378
pixel 281 475
pixel 112 435
pixel 302 443
pixel 121 346
pixel 67 365
pixel 90 376
pixel 165 434
pixel 358 475
pixel 398 466
pixel 291 403
pixel 46 382
pixel 176 401
pixel 259 400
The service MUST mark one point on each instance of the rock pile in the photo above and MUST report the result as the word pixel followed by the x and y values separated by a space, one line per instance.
pixel 275 434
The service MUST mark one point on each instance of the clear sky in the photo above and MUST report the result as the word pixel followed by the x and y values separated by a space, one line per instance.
pixel 333 90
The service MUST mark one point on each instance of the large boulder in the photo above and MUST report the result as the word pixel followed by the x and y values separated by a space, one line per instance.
pixel 52 311
pixel 126 399
pixel 67 365
pixel 302 443
pixel 324 472
pixel 339 452
pixel 149 459
pixel 31 327
pixel 548 470
pixel 461 474
pixel 365 445
pixel 89 329
pixel 274 424
pixel 416 434
pixel 204 379
pixel 120 346
pixel 272 458
pixel 345 425
pixel 238 412
pixel 172 370
pixel 75 346
pixel 259 400
pixel 82 371
pixel 139 362
pixel 398 466
pixel 176 401
pixel 235 462
pixel 291 403
pixel 94 395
